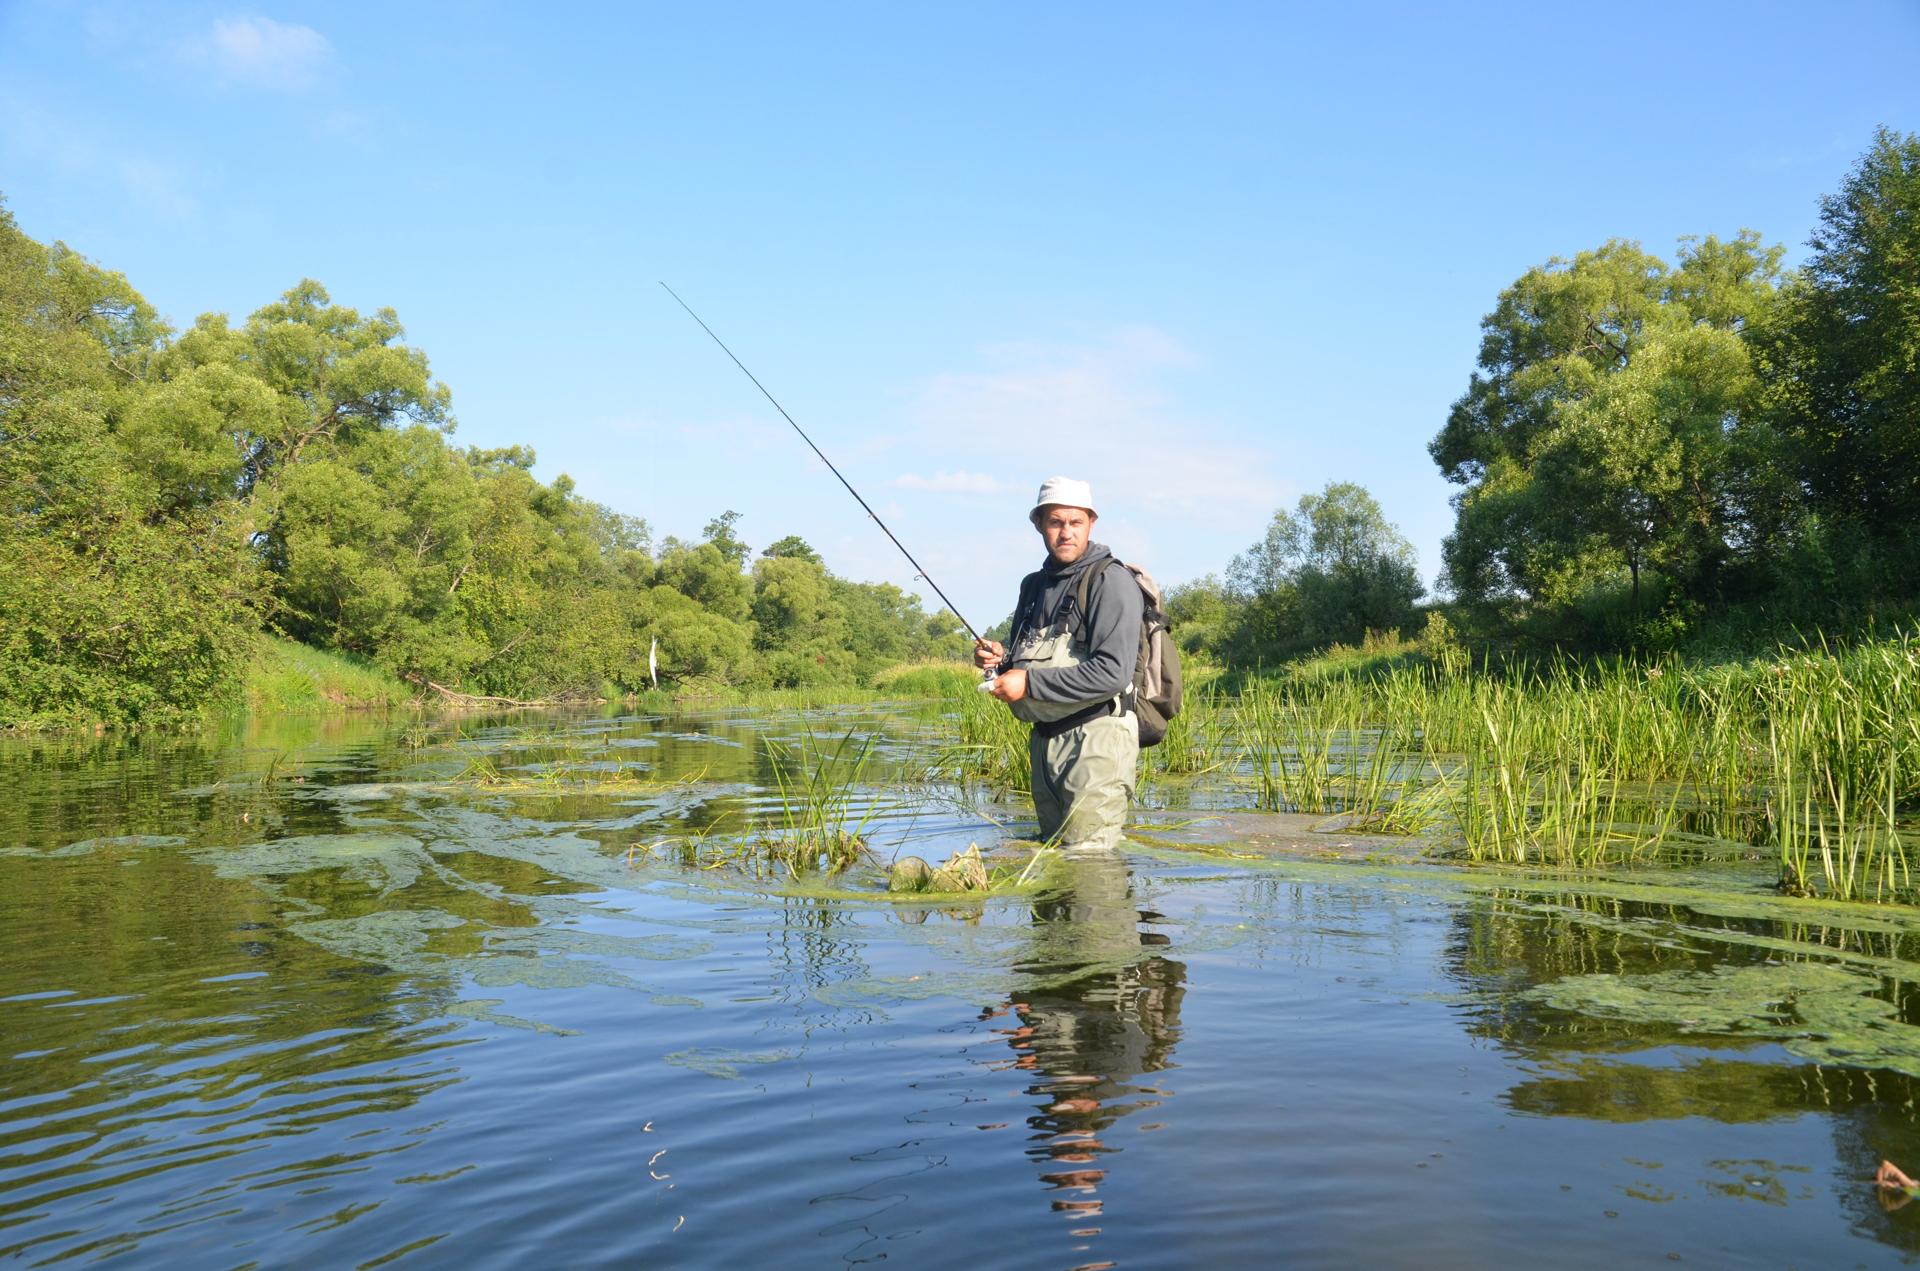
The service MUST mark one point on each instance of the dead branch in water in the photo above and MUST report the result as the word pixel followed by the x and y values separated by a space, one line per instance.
pixel 482 699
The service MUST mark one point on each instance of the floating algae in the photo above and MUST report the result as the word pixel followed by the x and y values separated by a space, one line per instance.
pixel 387 861
pixel 395 937
pixel 86 847
pixel 875 992
pixel 482 1008
pixel 656 948
pixel 725 1062
pixel 548 973
pixel 560 853
pixel 1818 1011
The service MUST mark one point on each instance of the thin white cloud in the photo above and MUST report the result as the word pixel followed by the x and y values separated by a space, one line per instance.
pixel 263 53
pixel 959 482
pixel 156 186
pixel 1105 412
pixel 81 154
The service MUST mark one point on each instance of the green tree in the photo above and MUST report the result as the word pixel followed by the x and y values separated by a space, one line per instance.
pixel 335 374
pixel 1842 361
pixel 1605 429
pixel 790 600
pixel 114 604
pixel 375 538
pixel 188 435
pixel 791 546
pixel 1332 569
pixel 707 575
pixel 719 532
pixel 1203 613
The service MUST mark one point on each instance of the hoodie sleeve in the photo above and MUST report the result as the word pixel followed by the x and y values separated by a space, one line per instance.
pixel 1115 609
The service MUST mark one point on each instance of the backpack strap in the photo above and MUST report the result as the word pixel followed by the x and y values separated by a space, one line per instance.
pixel 1083 590
pixel 1130 695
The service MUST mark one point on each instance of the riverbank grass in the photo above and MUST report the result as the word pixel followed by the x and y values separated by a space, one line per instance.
pixel 931 679
pixel 289 678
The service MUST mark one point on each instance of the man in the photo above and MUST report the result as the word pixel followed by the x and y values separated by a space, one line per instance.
pixel 1070 673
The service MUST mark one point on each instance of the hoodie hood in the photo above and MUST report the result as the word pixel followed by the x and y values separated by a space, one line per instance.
pixel 1095 553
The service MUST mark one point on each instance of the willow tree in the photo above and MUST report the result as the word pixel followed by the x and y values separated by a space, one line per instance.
pixel 1842 363
pixel 1606 429
pixel 121 597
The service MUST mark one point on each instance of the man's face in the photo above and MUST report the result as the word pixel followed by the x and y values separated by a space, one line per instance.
pixel 1066 531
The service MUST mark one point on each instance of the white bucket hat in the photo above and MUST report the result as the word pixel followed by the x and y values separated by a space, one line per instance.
pixel 1063 492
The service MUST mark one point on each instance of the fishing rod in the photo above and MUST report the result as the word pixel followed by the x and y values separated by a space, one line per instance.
pixel 917 570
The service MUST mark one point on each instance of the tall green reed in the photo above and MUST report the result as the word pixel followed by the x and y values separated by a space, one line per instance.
pixel 824 814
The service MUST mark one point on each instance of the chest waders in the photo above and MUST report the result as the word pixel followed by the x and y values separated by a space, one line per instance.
pixel 1085 755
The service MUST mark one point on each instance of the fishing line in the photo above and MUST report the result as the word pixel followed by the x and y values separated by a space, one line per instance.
pixel 917 570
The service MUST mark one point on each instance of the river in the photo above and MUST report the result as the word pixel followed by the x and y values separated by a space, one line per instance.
pixel 338 992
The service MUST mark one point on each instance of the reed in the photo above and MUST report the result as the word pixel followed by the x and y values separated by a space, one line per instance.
pixel 1318 748
pixel 992 745
pixel 823 818
pixel 1814 752
pixel 1197 738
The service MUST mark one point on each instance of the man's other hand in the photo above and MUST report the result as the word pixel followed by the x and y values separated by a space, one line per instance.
pixel 1009 686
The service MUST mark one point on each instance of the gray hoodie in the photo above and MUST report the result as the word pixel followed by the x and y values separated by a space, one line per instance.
pixel 1115 609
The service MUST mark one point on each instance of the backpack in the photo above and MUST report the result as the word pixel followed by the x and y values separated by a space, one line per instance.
pixel 1156 670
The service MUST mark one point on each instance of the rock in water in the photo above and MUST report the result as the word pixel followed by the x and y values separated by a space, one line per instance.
pixel 909 873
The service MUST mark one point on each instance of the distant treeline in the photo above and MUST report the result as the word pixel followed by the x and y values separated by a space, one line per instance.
pixel 165 497
pixel 1706 454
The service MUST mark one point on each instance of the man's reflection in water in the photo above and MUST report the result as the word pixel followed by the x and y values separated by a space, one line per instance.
pixel 1109 1011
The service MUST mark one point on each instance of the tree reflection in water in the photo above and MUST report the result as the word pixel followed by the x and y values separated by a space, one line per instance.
pixel 1589 1065
pixel 1105 1010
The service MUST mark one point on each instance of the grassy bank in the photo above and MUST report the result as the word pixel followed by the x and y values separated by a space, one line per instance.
pixel 925 679
pixel 286 677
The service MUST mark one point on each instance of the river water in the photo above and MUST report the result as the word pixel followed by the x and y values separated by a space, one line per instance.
pixel 352 993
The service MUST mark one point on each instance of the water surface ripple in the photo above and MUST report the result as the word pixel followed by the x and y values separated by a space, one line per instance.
pixel 351 993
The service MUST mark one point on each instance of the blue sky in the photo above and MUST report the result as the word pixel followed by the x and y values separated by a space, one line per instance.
pixel 1207 256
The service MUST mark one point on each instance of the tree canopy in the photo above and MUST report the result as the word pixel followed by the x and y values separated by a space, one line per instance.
pixel 1744 437
pixel 164 497
pixel 1330 570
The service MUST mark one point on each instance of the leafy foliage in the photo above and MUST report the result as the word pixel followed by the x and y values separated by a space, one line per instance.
pixel 1648 450
pixel 1331 570
pixel 163 499
pixel 1603 432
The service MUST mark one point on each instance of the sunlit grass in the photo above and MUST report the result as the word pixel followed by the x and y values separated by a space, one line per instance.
pixel 286 677
pixel 1814 753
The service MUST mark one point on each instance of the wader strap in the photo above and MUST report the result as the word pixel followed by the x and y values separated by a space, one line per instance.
pixel 1074 607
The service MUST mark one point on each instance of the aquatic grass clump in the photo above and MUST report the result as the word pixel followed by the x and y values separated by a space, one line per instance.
pixel 1814 752
pixel 928 679
pixel 1532 790
pixel 481 770
pixel 1845 756
pixel 822 824
pixel 1313 748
